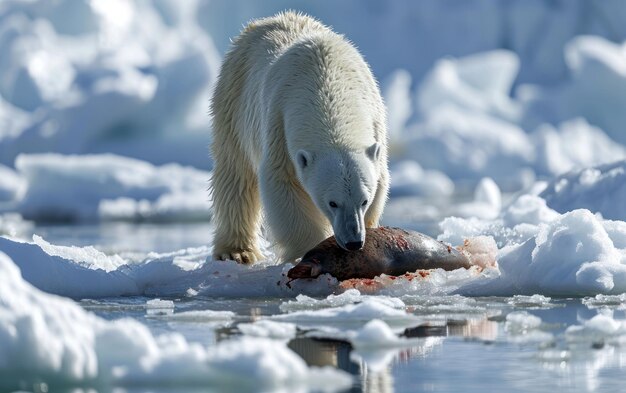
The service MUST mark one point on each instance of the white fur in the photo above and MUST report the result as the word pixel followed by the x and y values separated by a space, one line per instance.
pixel 298 122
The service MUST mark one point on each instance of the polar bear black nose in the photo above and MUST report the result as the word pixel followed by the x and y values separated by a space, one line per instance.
pixel 353 246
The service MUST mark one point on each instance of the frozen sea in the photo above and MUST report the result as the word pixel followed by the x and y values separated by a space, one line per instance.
pixel 469 344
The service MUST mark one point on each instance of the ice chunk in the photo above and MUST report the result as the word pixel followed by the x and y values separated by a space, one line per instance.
pixel 599 189
pixel 159 304
pixel 269 329
pixel 534 301
pixel 572 255
pixel 521 322
pixel 523 328
pixel 617 301
pixel 350 296
pixel 351 314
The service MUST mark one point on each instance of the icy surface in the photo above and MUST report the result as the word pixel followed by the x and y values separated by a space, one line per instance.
pixel 44 336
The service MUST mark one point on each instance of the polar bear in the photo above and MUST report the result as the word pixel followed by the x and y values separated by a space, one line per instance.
pixel 299 129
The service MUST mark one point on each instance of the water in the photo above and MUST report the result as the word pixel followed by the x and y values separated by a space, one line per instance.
pixel 465 345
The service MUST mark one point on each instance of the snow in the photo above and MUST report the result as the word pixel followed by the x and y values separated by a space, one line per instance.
pixel 45 336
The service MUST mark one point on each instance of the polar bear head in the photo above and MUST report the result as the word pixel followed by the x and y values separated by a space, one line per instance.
pixel 342 184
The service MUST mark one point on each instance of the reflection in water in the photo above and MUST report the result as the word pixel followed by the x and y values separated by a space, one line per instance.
pixel 372 367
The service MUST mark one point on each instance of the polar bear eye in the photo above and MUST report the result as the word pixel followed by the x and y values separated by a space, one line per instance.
pixel 332 204
pixel 364 203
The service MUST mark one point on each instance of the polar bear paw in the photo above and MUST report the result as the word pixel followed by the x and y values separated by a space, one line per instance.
pixel 240 256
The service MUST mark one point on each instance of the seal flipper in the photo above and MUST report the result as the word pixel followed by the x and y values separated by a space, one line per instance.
pixel 305 269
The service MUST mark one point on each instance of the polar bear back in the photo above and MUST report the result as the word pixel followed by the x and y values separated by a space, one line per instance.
pixel 281 67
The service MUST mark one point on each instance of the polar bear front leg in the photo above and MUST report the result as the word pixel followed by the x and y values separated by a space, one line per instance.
pixel 372 216
pixel 294 221
pixel 236 205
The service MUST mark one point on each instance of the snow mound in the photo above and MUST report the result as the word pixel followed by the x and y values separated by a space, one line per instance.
pixel 86 188
pixel 600 189
pixel 572 255
pixel 47 338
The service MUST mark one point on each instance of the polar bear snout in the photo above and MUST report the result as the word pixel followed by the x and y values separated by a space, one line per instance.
pixel 354 246
pixel 350 231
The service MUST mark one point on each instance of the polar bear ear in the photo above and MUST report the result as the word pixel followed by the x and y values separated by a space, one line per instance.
pixel 303 158
pixel 373 152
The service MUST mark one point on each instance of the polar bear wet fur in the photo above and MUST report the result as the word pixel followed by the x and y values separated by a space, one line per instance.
pixel 300 135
